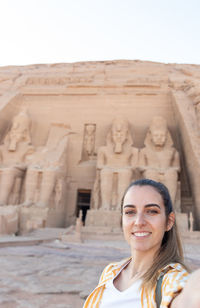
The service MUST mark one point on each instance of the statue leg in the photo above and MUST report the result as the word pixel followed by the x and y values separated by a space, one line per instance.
pixel 8 177
pixel 124 179
pixel 106 177
pixel 170 180
pixel 16 191
pixel 47 186
pixel 31 186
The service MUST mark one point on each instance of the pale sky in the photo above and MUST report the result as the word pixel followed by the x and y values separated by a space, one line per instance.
pixel 55 31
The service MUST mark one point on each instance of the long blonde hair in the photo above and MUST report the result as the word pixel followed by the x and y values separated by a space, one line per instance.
pixel 171 249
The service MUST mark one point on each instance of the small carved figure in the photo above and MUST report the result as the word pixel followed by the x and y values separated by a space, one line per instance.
pixel 159 160
pixel 79 222
pixel 58 193
pixel 89 139
pixel 78 227
pixel 191 222
pixel 115 164
pixel 13 152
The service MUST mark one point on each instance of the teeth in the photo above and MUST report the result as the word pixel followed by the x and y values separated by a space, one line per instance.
pixel 141 233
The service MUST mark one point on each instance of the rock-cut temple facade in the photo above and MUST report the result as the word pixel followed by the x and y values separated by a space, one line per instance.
pixel 73 136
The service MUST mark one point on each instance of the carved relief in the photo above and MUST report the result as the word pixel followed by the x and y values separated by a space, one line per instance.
pixel 115 165
pixel 59 189
pixel 88 151
pixel 58 81
pixel 159 160
pixel 47 81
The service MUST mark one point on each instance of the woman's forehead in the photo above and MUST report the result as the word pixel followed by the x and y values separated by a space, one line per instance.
pixel 142 195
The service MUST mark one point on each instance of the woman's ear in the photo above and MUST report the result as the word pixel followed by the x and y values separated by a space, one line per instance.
pixel 170 221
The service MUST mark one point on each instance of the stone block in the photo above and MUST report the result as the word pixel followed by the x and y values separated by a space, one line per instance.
pixel 9 219
pixel 32 218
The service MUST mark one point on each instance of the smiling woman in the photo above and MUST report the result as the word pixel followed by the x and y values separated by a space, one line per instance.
pixel 156 260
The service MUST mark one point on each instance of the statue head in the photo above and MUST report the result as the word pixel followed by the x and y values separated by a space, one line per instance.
pixel 20 130
pixel 119 133
pixel 158 133
pixel 158 130
pixel 90 129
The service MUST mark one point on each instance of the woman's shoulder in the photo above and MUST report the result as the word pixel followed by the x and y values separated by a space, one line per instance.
pixel 174 269
pixel 175 278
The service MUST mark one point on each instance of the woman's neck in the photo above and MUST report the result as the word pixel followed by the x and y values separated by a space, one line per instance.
pixel 140 263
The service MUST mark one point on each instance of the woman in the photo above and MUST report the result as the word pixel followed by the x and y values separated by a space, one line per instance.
pixel 155 273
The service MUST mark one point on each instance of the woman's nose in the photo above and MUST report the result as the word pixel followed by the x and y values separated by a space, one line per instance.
pixel 140 219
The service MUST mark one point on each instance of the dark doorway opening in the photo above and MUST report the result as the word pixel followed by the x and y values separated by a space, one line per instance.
pixel 83 203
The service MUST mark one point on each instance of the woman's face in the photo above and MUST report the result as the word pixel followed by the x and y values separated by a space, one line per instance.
pixel 144 219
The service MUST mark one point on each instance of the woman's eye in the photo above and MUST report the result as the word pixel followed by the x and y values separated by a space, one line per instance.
pixel 129 213
pixel 152 211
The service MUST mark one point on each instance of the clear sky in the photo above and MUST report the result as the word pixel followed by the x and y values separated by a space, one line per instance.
pixel 54 31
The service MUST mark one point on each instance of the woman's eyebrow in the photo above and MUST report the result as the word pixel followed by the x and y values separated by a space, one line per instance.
pixel 152 204
pixel 129 205
pixel 146 206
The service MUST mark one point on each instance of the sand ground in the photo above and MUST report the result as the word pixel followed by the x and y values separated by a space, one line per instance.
pixel 60 275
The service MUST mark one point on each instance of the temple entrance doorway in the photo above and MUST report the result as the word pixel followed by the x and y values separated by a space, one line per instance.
pixel 83 203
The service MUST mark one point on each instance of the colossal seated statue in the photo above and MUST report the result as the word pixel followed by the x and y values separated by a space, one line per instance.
pixel 46 169
pixel 13 153
pixel 159 160
pixel 115 165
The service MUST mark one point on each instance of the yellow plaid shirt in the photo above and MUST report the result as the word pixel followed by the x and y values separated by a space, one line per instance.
pixel 173 282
